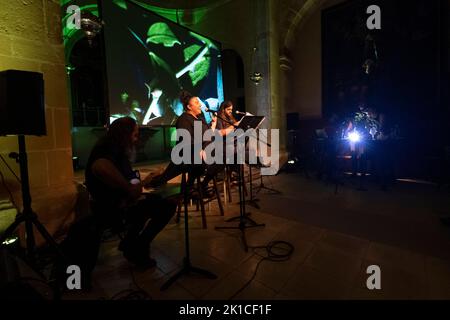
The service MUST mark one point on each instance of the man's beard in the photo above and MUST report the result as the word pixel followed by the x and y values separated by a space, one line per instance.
pixel 131 154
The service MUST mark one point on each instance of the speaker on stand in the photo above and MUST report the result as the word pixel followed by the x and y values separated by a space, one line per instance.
pixel 23 113
pixel 22 105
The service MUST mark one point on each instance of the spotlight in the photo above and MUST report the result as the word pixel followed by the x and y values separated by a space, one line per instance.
pixel 291 161
pixel 354 136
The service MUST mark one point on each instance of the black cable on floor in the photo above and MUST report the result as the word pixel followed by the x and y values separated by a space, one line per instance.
pixel 276 251
pixel 131 294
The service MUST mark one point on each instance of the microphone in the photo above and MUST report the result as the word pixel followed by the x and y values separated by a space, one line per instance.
pixel 244 113
pixel 211 111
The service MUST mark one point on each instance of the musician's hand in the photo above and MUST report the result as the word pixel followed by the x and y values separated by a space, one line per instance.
pixel 213 123
pixel 134 191
pixel 203 155
pixel 229 130
pixel 153 178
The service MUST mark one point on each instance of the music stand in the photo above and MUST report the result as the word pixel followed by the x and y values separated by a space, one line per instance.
pixel 252 201
pixel 187 266
pixel 245 222
pixel 251 122
pixel 261 185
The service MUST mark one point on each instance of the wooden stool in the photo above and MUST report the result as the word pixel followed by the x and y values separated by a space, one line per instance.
pixel 200 201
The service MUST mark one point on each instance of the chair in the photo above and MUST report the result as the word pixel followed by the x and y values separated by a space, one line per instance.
pixel 196 195
pixel 226 179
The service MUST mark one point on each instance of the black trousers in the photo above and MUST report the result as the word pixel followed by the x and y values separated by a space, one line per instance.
pixel 193 170
pixel 145 219
pixel 142 222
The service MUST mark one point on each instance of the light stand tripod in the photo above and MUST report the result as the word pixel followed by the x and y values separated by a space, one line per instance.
pixel 187 267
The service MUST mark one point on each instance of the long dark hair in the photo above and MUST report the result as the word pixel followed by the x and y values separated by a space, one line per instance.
pixel 185 98
pixel 120 132
pixel 222 113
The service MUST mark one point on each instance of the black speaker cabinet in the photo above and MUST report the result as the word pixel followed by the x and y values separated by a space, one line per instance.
pixel 22 108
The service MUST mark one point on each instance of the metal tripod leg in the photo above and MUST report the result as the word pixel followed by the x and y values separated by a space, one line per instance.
pixel 187 267
pixel 186 270
pixel 243 216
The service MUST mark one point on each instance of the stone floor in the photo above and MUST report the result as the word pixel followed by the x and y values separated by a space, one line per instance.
pixel 333 244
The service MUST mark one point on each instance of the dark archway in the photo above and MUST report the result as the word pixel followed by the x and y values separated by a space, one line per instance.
pixel 87 85
pixel 85 65
pixel 233 78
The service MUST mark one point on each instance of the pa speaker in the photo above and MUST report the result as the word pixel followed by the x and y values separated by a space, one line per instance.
pixel 22 108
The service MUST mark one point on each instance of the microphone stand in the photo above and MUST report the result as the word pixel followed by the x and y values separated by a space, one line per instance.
pixel 261 185
pixel 252 201
pixel 245 221
pixel 187 268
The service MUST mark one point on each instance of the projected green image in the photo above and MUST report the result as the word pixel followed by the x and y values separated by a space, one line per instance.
pixel 150 60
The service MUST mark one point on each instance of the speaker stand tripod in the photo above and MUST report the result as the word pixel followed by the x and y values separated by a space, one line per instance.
pixel 187 266
pixel 28 216
pixel 245 221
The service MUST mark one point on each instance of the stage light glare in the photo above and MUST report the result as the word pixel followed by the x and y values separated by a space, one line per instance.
pixel 354 136
pixel 10 241
pixel 291 162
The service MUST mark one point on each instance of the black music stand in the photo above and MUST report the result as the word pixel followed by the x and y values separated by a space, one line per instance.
pixel 245 222
pixel 251 122
pixel 252 201
pixel 187 266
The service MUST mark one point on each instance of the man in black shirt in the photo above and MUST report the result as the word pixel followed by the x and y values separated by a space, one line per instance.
pixel 192 114
pixel 115 189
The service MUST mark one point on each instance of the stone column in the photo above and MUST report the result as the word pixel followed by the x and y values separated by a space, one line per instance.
pixel 285 93
pixel 266 60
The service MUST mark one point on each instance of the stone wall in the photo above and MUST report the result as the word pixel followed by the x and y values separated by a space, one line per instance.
pixel 30 39
pixel 306 76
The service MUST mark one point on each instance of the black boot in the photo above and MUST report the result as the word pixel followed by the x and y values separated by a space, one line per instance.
pixel 137 253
